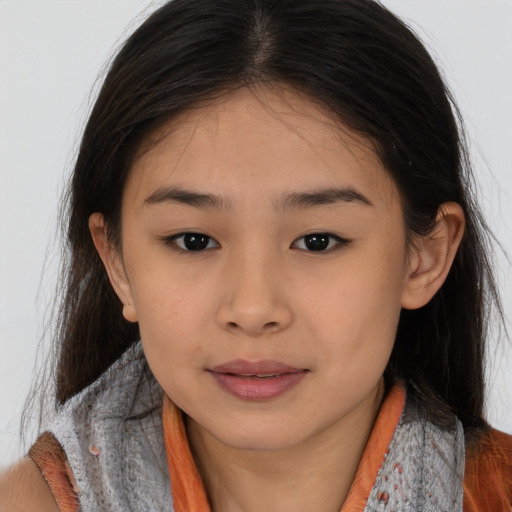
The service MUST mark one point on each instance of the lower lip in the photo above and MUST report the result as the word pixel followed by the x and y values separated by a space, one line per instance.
pixel 257 389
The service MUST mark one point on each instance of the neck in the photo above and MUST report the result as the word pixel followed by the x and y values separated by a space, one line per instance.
pixel 314 475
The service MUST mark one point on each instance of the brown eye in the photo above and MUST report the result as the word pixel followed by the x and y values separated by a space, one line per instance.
pixel 316 242
pixel 319 242
pixel 193 242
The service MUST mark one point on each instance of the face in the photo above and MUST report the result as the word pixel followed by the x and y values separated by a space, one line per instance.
pixel 264 257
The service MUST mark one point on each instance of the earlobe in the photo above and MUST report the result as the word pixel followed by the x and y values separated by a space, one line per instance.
pixel 112 260
pixel 432 256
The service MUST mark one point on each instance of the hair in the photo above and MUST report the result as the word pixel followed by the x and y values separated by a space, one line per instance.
pixel 373 74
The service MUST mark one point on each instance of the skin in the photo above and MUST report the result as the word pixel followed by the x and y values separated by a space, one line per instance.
pixel 23 488
pixel 257 292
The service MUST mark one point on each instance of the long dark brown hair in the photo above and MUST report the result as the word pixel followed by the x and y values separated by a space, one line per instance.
pixel 372 72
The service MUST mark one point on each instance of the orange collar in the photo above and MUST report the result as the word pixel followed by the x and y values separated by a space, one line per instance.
pixel 188 491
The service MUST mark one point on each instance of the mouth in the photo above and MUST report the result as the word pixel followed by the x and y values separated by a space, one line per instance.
pixel 248 375
pixel 258 380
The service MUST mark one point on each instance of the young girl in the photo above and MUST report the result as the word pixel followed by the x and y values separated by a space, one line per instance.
pixel 279 287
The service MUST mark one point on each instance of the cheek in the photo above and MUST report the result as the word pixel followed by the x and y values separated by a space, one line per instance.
pixel 172 330
pixel 172 311
pixel 359 314
pixel 165 290
pixel 166 315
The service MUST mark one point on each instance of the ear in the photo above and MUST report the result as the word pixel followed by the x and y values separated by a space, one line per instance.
pixel 114 265
pixel 431 256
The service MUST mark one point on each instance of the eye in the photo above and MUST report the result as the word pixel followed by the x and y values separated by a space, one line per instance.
pixel 319 242
pixel 191 242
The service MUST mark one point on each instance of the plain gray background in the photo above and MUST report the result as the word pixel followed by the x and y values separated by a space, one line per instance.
pixel 51 53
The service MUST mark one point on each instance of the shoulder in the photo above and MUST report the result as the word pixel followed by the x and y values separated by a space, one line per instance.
pixel 488 476
pixel 23 488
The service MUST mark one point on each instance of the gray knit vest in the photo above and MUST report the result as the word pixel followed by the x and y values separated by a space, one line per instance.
pixel 113 437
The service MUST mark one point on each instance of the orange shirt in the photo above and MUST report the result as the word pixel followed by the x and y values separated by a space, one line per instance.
pixel 487 480
pixel 488 475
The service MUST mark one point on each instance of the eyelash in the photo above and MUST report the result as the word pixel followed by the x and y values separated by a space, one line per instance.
pixel 171 242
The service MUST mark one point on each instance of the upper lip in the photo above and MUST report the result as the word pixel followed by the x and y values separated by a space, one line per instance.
pixel 261 367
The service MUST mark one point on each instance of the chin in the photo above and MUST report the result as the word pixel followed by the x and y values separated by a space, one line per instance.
pixel 261 445
pixel 264 440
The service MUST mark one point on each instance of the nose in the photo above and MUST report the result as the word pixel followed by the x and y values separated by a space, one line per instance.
pixel 254 301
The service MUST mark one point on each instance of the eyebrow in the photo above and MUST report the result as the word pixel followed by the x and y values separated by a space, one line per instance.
pixel 187 197
pixel 310 199
pixel 290 201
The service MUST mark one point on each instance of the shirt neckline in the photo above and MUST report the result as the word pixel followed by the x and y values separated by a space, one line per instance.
pixel 189 494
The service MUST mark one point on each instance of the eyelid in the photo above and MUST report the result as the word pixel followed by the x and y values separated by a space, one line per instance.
pixel 170 241
pixel 340 241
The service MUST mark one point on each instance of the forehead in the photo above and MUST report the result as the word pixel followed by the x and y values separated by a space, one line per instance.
pixel 262 141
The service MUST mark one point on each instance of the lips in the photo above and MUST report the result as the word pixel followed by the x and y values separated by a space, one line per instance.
pixel 258 380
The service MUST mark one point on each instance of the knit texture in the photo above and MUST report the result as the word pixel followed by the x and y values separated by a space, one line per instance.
pixel 112 435
pixel 423 469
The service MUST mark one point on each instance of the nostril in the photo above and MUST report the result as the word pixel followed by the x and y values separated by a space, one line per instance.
pixel 267 326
